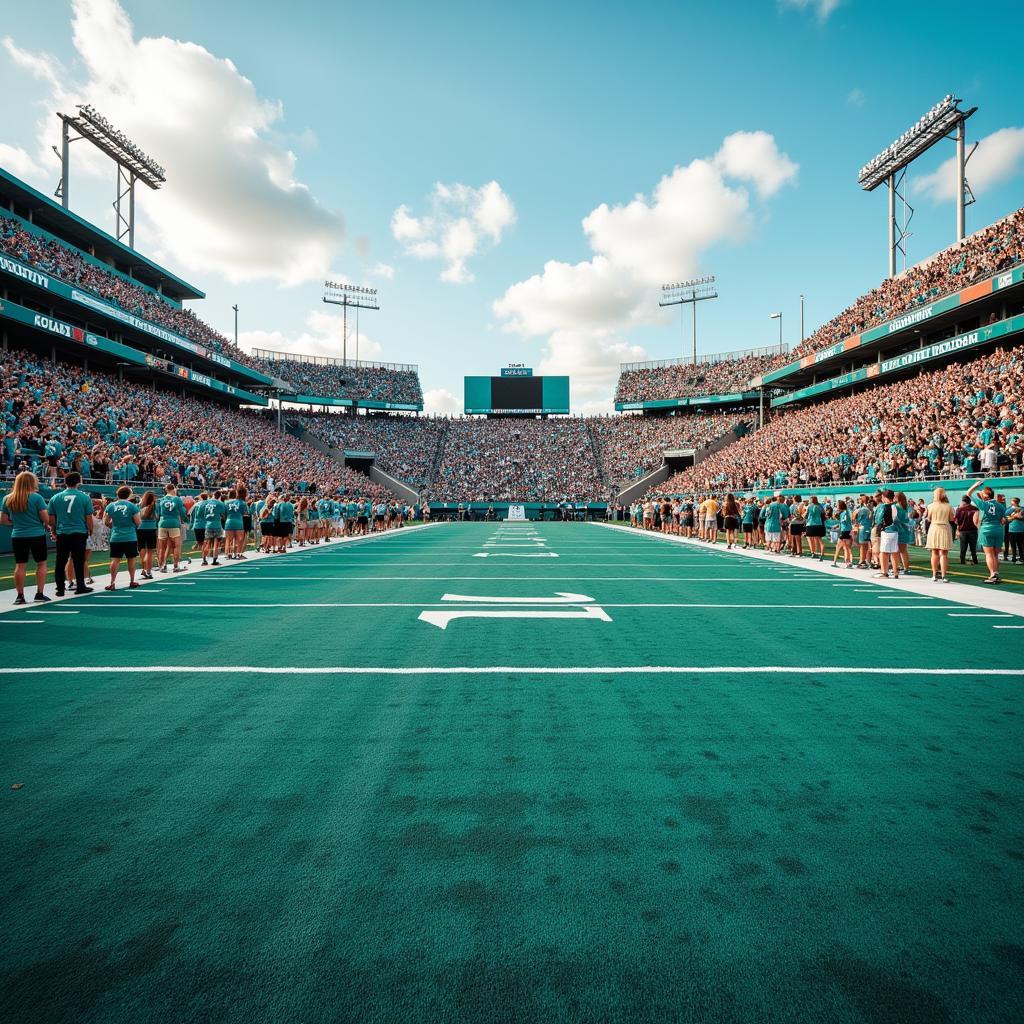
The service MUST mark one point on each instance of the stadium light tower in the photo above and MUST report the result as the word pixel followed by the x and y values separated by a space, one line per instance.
pixel 945 119
pixel 336 293
pixel 689 292
pixel 777 316
pixel 132 164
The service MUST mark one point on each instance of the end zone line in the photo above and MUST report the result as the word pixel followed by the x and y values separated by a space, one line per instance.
pixel 545 670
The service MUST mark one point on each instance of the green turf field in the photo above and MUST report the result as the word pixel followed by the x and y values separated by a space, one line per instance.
pixel 700 787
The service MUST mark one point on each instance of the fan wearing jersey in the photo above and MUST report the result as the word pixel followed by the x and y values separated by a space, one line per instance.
pixel 234 523
pixel 284 516
pixel 123 519
pixel 172 517
pixel 213 513
pixel 24 510
pixel 147 533
pixel 990 530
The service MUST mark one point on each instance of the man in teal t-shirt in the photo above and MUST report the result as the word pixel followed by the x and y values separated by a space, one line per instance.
pixel 1015 521
pixel 173 516
pixel 123 518
pixel 71 523
pixel 212 513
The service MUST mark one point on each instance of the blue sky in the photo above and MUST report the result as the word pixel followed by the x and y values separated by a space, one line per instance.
pixel 565 107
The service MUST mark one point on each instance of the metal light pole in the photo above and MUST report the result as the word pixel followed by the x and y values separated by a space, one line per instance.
pixel 345 295
pixel 801 319
pixel 235 308
pixel 778 316
pixel 689 292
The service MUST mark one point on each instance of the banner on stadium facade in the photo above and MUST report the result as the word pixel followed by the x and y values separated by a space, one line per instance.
pixel 735 398
pixel 516 513
pixel 15 268
pixel 938 350
pixel 51 325
pixel 900 323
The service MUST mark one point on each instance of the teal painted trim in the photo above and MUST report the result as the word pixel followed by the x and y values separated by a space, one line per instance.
pixel 695 402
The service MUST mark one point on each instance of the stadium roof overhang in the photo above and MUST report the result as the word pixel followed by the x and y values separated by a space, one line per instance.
pixel 44 212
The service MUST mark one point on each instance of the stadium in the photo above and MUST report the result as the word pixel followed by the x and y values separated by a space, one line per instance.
pixel 703 704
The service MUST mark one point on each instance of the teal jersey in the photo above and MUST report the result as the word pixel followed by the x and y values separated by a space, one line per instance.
pixel 1016 525
pixel 992 513
pixel 171 510
pixel 147 525
pixel 815 515
pixel 284 512
pixel 368 509
pixel 749 513
pixel 236 508
pixel 353 510
pixel 845 522
pixel 122 518
pixel 69 508
pixel 213 511
pixel 773 518
pixel 27 523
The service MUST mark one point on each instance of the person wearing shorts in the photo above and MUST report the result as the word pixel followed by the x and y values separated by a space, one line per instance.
pixel 990 529
pixel 814 515
pixel 284 517
pixel 235 509
pixel 171 518
pixel 748 521
pixel 711 509
pixel 773 525
pixel 212 513
pixel 123 519
pixel 197 524
pixel 844 542
pixel 888 537
pixel 147 533
pixel 24 510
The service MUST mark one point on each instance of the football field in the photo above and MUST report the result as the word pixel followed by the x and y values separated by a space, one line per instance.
pixel 512 772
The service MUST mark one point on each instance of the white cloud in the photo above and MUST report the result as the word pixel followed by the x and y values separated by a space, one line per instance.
pixel 998 158
pixel 461 220
pixel 384 271
pixel 584 307
pixel 855 98
pixel 322 336
pixel 232 203
pixel 823 8
pixel 18 162
pixel 441 402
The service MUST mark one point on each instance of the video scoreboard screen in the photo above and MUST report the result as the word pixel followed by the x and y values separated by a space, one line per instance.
pixel 521 393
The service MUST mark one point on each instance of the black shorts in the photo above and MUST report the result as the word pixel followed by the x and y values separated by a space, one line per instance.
pixel 25 546
pixel 247 524
pixel 796 529
pixel 200 535
pixel 362 521
pixel 268 528
pixel 731 523
pixel 124 549
pixel 815 531
pixel 749 527
pixel 845 534
pixel 285 529
pixel 147 540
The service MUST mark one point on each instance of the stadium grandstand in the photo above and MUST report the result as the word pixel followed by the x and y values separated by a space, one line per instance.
pixel 313 712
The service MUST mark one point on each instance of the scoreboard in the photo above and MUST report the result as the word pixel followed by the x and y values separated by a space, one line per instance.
pixel 516 393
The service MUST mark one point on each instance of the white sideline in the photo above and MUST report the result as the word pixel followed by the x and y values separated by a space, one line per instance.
pixel 168 578
pixel 995 599
pixel 541 670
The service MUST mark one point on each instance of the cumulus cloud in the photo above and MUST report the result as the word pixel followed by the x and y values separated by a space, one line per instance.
pixel 321 336
pixel 585 308
pixel 822 8
pixel 999 157
pixel 441 402
pixel 18 162
pixel 233 203
pixel 383 270
pixel 462 220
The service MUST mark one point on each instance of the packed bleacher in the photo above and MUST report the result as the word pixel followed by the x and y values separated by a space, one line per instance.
pixel 517 460
pixel 70 266
pixel 965 418
pixel 338 380
pixel 985 253
pixel 629 447
pixel 59 417
pixel 689 380
pixel 405 446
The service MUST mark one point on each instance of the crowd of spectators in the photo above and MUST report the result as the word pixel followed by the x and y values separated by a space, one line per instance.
pixel 59 417
pixel 405 446
pixel 629 447
pixel 518 460
pixel 690 380
pixel 983 254
pixel 72 267
pixel 345 380
pixel 963 419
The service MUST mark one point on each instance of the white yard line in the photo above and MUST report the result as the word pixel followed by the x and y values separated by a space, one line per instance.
pixel 541 670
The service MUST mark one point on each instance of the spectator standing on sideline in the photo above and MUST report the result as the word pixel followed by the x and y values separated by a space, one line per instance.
pixel 124 519
pixel 966 520
pixel 71 523
pixel 25 512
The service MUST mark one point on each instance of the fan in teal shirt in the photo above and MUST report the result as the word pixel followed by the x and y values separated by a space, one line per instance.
pixel 236 508
pixel 121 514
pixel 28 523
pixel 70 509
pixel 171 510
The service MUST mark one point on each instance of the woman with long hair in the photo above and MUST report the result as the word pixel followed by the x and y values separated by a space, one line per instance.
pixel 730 520
pixel 234 523
pixel 147 533
pixel 844 545
pixel 904 531
pixel 990 530
pixel 940 535
pixel 862 524
pixel 797 526
pixel 25 512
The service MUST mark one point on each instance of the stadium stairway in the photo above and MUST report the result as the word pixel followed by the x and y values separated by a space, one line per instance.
pixel 400 490
pixel 661 474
